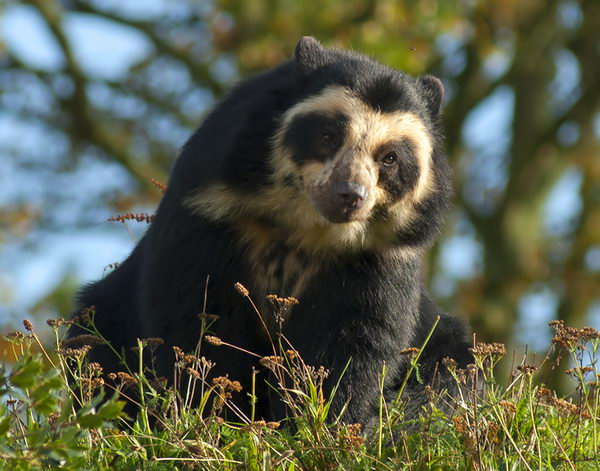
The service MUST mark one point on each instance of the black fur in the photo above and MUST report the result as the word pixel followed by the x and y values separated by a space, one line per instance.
pixel 315 136
pixel 364 306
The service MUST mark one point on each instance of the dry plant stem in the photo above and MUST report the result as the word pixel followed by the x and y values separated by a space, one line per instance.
pixel 577 426
pixel 243 350
pixel 475 415
pixel 96 332
pixel 253 397
pixel 532 411
pixel 36 338
pixel 504 426
pixel 65 379
pixel 243 418
pixel 203 324
pixel 203 329
pixel 381 404
pixel 21 426
pixel 200 460
pixel 144 409
pixel 557 441
pixel 260 317
pixel 63 369
pixel 415 359
pixel 187 401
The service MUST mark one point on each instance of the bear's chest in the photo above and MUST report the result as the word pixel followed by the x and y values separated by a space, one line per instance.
pixel 275 268
pixel 283 272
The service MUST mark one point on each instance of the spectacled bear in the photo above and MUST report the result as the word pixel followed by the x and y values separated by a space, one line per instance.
pixel 323 179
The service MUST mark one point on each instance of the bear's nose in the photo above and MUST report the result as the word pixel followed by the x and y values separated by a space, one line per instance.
pixel 352 194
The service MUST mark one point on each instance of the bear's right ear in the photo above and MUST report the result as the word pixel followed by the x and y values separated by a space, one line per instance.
pixel 309 55
pixel 433 92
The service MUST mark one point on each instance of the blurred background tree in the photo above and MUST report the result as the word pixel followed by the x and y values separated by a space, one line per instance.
pixel 97 96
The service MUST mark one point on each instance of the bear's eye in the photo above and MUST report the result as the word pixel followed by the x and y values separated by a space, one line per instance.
pixel 327 137
pixel 389 159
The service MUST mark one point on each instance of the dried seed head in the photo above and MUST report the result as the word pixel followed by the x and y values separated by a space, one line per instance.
pixel 225 386
pixel 87 313
pixel 55 323
pixel 161 186
pixel 74 352
pixel 178 352
pixel 273 362
pixel 95 368
pixel 565 341
pixel 460 424
pixel 322 372
pixel 213 340
pixel 126 378
pixel 97 383
pixel 570 337
pixel 282 302
pixel 563 406
pixel 527 369
pixel 508 406
pixel 28 325
pixel 556 324
pixel 485 349
pixel 579 371
pixel 256 425
pixel 16 335
pixel 193 372
pixel 292 354
pixel 351 436
pixel 241 289
pixel 449 363
pixel 409 351
pixel 589 333
pixel 191 359
pixel 139 217
pixel 544 392
pixel 53 418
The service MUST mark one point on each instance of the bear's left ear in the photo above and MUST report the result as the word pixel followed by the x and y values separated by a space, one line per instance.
pixel 309 55
pixel 433 92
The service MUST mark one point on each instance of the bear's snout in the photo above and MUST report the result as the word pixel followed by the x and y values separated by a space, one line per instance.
pixel 351 195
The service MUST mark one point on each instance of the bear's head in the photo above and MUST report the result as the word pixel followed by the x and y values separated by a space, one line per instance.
pixel 354 160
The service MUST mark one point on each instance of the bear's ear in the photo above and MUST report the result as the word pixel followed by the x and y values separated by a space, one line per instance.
pixel 309 55
pixel 433 92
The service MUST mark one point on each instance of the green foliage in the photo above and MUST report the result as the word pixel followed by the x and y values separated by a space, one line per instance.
pixel 50 422
pixel 39 428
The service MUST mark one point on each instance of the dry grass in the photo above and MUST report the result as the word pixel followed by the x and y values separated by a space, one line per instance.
pixel 49 422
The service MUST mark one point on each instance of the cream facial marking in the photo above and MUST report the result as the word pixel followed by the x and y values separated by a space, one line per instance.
pixel 367 130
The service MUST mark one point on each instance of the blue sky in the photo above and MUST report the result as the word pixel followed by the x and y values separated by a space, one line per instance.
pixel 27 274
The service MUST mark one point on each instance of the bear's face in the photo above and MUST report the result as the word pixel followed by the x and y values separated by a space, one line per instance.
pixel 354 160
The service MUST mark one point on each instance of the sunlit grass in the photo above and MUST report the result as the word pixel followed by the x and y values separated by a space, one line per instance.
pixel 60 411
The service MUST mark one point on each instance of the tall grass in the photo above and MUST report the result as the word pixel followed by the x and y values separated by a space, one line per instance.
pixel 61 412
